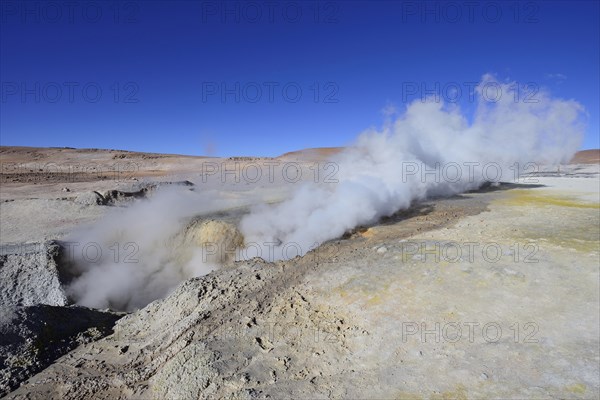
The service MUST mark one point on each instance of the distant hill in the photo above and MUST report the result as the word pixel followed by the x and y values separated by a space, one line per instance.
pixel 316 153
pixel 321 153
pixel 64 154
pixel 587 157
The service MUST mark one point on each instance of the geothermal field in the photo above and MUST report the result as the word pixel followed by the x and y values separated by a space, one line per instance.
pixel 299 200
pixel 325 273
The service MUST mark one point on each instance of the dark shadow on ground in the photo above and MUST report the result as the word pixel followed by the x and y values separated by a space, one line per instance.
pixel 415 210
pixel 426 207
pixel 498 186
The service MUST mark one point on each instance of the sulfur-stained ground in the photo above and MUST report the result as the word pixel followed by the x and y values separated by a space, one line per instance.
pixel 491 294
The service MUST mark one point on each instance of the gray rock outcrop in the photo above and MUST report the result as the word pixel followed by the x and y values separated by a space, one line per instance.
pixel 90 199
pixel 29 275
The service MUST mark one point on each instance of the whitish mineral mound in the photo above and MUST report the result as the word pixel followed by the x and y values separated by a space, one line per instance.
pixel 218 241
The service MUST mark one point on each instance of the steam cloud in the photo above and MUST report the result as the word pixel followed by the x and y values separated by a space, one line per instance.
pixel 383 172
pixel 386 170
pixel 132 256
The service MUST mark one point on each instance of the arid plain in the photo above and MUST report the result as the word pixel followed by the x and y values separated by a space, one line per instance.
pixel 492 293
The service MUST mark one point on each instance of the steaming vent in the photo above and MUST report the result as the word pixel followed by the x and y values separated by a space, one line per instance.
pixel 154 264
pixel 430 149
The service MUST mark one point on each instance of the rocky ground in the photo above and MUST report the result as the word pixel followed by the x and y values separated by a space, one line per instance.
pixel 489 294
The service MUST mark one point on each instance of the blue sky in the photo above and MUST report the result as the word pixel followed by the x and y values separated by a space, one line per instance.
pixel 263 78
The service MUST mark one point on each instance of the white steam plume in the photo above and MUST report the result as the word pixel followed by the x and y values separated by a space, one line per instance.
pixel 134 255
pixel 387 170
pixel 384 171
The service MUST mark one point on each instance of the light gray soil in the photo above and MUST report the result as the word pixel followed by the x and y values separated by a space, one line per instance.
pixel 493 294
